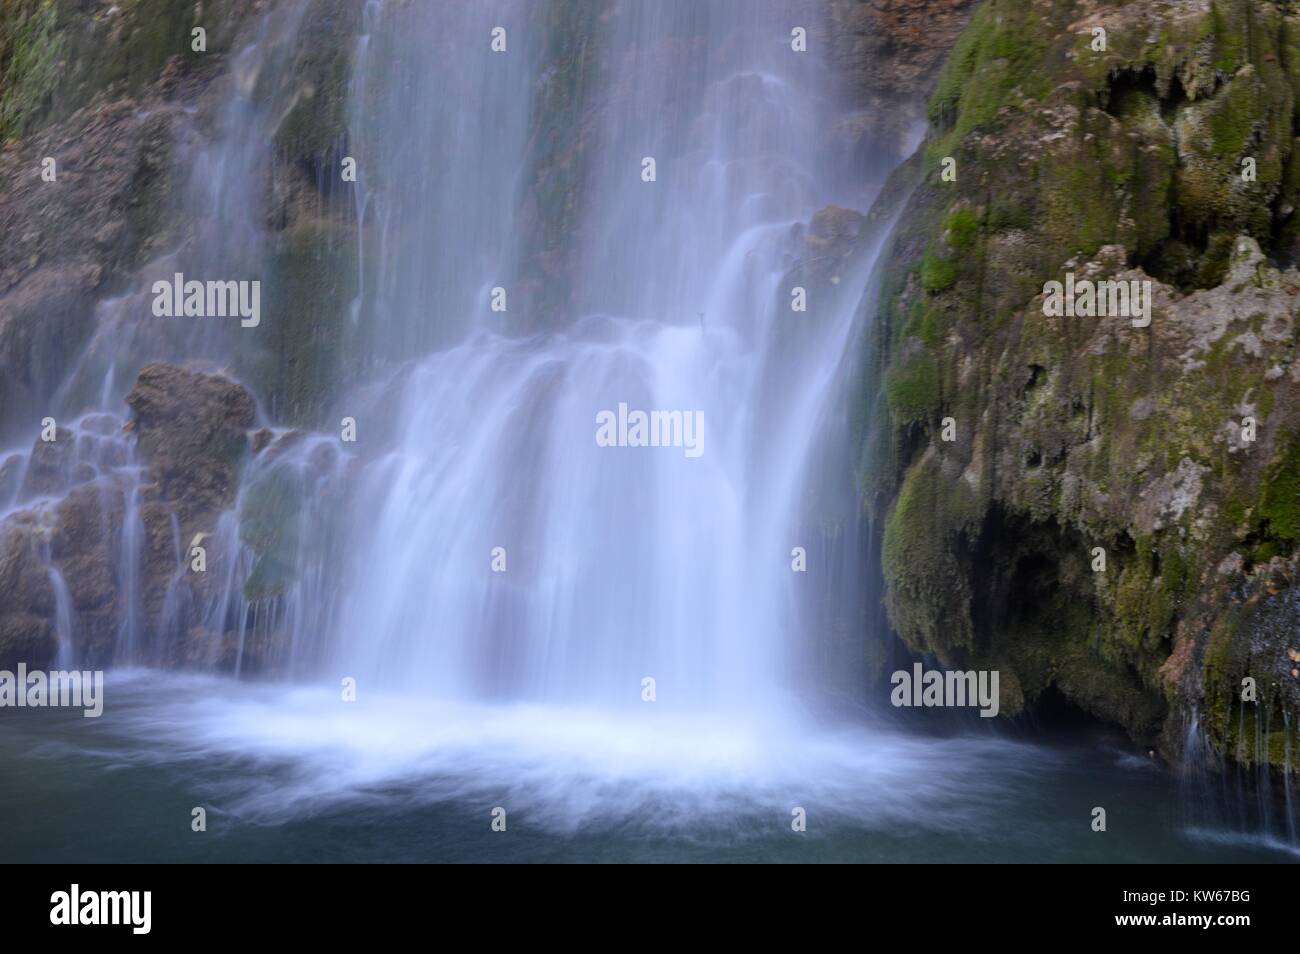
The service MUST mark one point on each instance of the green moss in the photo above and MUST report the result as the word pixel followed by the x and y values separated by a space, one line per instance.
pixel 1133 600
pixel 1218 669
pixel 301 340
pixel 269 523
pixel 1010 211
pixel 29 62
pixel 1233 119
pixel 1157 167
pixel 1084 193
pixel 927 597
pixel 912 388
pixel 1151 592
pixel 928 324
pixel 1229 43
pixel 1289 60
pixel 999 54
pixel 1251 641
pixel 962 228
pixel 1279 508
pixel 937 271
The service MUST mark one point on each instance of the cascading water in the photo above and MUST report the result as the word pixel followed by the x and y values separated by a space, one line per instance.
pixel 440 129
pixel 530 618
pixel 223 208
pixel 491 576
pixel 620 564
pixel 226 238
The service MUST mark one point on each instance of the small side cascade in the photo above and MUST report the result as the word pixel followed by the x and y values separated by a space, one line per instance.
pixel 1248 797
pixel 280 588
pixel 65 505
pixel 63 620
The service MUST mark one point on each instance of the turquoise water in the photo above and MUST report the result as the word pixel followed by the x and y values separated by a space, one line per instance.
pixel 292 775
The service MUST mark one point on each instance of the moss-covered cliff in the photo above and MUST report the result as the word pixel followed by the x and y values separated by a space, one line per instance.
pixel 1172 452
pixel 56 56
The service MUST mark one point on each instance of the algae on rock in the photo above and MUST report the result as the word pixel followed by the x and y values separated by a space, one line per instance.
pixel 1173 449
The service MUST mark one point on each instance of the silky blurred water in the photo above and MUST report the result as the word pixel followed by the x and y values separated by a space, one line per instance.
pixel 294 774
pixel 523 689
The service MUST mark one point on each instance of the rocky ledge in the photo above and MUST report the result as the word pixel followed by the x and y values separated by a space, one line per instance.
pixel 107 513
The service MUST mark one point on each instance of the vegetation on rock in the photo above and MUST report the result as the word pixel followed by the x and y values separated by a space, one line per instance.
pixel 1074 434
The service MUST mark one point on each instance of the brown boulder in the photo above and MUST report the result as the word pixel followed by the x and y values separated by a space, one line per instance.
pixel 85 518
pixel 90 581
pixel 192 430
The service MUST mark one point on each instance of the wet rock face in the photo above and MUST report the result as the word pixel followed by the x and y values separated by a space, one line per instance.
pixel 1108 498
pixel 886 55
pixel 25 610
pixel 88 520
pixel 43 321
pixel 22 568
pixel 122 113
pixel 895 47
pixel 60 55
pixel 85 546
pixel 125 107
pixel 192 431
pixel 26 638
pixel 90 186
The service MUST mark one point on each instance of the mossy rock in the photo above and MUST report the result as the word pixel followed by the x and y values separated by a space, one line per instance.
pixel 1250 688
pixel 269 523
pixel 299 350
pixel 1126 161
pixel 313 125
pixel 57 57
pixel 30 48
pixel 931 525
pixel 912 387
pixel 1278 514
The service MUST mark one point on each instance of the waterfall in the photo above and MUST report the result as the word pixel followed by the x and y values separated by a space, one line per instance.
pixel 479 396
pixel 63 625
pixel 577 526
pixel 518 602
pixel 1236 802
pixel 439 124
pixel 495 550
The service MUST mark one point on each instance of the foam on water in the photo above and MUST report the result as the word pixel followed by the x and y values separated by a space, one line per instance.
pixel 299 750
